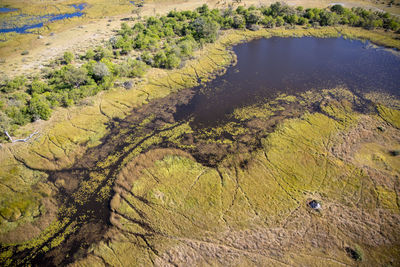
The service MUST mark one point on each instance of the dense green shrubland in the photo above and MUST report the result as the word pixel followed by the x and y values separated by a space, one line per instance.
pixel 161 42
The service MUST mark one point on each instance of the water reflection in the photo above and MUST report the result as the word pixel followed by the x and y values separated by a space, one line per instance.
pixel 267 67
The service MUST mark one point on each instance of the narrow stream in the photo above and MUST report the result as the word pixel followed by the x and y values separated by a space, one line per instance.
pixel 33 22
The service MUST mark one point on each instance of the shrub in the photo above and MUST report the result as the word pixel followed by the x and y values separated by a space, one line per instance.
pixel 291 19
pixel 204 28
pixel 203 9
pixel 100 70
pixel 173 61
pixel 40 108
pixel 394 25
pixel 356 253
pixel 38 87
pixel 160 59
pixel 131 68
pixel 137 68
pixel 268 21
pixel 75 77
pixel 238 21
pixel 125 30
pixel 17 83
pixel 19 116
pixel 241 10
pixel 254 17
pixel 279 21
pixel 102 52
pixel 68 57
pixel 5 122
pixel 339 9
pixel 124 43
pixel 187 47
pixel 90 54
pixel 302 21
pixel 147 58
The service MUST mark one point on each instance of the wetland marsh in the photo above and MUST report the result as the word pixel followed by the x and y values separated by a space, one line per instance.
pixel 210 157
pixel 238 135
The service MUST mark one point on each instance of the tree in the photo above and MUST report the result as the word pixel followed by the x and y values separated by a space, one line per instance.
pixel 203 9
pixel 238 21
pixel 68 57
pixel 173 61
pixel 5 122
pixel 279 21
pixel 90 54
pixel 292 19
pixel 17 83
pixel 160 59
pixel 75 77
pixel 38 87
pixel 100 70
pixel 205 29
pixel 339 9
pixel 40 108
pixel 268 21
pixel 254 16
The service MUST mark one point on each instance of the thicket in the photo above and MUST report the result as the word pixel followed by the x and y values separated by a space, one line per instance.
pixel 161 42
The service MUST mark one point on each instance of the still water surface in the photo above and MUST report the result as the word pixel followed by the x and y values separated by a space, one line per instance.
pixel 267 67
pixel 33 22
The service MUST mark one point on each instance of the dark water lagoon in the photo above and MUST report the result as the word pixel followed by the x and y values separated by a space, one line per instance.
pixel 267 67
pixel 33 22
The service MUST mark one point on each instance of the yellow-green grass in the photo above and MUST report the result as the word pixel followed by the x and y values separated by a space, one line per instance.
pixel 390 115
pixel 179 206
